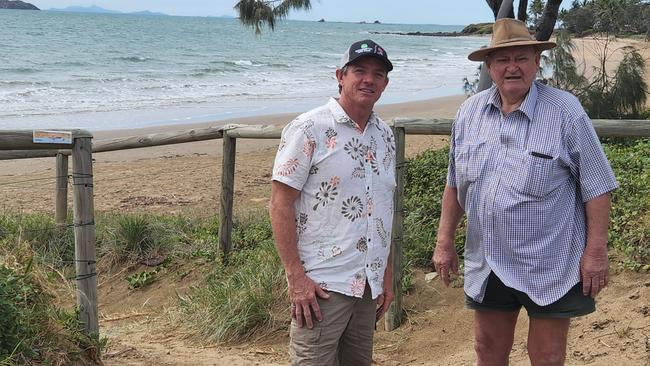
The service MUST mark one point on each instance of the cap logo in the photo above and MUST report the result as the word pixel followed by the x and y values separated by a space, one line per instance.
pixel 364 48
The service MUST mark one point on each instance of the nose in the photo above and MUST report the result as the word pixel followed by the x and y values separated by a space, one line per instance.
pixel 367 78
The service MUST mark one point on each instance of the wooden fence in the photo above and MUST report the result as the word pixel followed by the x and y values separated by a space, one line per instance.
pixel 20 144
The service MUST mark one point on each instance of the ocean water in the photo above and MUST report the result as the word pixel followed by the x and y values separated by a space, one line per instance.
pixel 104 71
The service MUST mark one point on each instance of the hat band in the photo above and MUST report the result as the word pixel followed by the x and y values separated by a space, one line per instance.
pixel 513 40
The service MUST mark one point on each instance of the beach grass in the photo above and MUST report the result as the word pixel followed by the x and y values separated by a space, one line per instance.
pixel 244 298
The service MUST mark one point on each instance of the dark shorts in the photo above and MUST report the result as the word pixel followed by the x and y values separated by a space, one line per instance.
pixel 500 297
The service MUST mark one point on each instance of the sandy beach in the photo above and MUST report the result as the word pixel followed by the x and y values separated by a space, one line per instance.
pixel 185 177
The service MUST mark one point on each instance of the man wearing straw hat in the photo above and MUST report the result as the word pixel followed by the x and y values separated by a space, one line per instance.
pixel 528 171
pixel 331 210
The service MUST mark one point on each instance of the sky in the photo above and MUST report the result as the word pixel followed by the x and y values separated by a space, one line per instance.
pixel 455 12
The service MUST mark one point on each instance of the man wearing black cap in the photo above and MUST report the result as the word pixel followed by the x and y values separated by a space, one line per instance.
pixel 331 210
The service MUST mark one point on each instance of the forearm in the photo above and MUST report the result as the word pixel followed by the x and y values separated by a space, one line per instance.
pixel 597 212
pixel 283 224
pixel 450 216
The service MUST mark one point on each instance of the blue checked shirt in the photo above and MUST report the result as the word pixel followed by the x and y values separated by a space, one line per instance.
pixel 522 180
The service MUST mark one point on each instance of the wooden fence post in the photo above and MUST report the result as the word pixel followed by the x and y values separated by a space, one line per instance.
pixel 61 198
pixel 84 234
pixel 227 193
pixel 395 314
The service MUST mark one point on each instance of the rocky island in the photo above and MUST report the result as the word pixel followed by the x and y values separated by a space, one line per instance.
pixel 472 29
pixel 17 4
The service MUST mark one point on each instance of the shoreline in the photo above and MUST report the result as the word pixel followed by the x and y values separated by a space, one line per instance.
pixel 442 107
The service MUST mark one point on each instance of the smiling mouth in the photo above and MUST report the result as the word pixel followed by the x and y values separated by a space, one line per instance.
pixel 367 91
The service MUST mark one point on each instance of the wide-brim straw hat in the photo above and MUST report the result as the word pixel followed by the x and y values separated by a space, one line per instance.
pixel 508 32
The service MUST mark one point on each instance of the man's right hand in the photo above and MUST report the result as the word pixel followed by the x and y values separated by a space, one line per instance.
pixel 445 260
pixel 303 292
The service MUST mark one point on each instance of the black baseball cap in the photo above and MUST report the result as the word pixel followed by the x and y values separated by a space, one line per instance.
pixel 365 48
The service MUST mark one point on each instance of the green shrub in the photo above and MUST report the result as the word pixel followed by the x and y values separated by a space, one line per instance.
pixel 426 175
pixel 33 331
pixel 141 279
pixel 53 244
pixel 630 217
pixel 130 238
pixel 237 302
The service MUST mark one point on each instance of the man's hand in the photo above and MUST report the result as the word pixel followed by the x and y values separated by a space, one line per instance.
pixel 445 260
pixel 302 293
pixel 594 262
pixel 383 301
pixel 594 269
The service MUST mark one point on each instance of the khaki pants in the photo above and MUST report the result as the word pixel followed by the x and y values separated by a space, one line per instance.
pixel 343 338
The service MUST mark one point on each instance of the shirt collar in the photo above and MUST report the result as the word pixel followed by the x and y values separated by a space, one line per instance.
pixel 341 117
pixel 527 106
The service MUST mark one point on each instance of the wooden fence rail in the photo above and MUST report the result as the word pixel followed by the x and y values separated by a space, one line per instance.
pixel 19 145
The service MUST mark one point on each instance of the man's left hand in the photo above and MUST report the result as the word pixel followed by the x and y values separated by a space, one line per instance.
pixel 383 302
pixel 594 269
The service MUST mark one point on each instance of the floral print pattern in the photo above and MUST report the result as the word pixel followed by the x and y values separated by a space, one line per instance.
pixel 346 179
pixel 355 149
pixel 362 244
pixel 352 208
pixel 326 194
pixel 309 147
pixel 330 142
pixel 358 284
pixel 288 167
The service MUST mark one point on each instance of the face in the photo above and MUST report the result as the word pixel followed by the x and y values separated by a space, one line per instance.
pixel 363 82
pixel 513 70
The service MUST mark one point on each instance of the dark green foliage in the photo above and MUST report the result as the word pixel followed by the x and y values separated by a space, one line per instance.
pixel 53 244
pixel 622 95
pixel 630 217
pixel 239 301
pixel 478 28
pixel 561 60
pixel 256 13
pixel 426 176
pixel 614 17
pixel 536 10
pixel 630 89
pixel 33 332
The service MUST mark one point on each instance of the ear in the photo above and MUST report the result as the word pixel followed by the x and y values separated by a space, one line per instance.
pixel 339 75
pixel 538 57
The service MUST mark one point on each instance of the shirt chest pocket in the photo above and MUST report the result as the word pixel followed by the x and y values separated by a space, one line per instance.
pixel 469 160
pixel 532 175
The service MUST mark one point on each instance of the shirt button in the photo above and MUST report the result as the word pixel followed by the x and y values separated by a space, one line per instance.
pixel 369 240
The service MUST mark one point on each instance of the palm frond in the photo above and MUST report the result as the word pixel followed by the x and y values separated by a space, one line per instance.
pixel 258 13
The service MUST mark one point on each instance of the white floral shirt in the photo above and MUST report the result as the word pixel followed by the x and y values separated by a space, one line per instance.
pixel 345 211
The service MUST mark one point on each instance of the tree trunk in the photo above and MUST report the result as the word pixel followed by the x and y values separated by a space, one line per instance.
pixel 505 8
pixel 547 23
pixel 497 7
pixel 522 13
